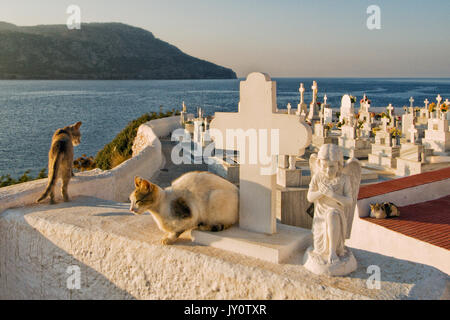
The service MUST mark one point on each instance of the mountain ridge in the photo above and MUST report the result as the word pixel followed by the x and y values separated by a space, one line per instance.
pixel 97 51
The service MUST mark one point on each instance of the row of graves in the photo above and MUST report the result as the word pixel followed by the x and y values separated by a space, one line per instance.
pixel 275 211
pixel 387 146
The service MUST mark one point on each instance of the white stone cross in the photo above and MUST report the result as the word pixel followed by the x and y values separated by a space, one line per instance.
pixel 385 120
pixel 325 99
pixel 389 109
pixel 303 116
pixel 321 114
pixel 447 102
pixel 302 92
pixel 426 102
pixel 314 89
pixel 257 120
pixel 439 99
pixel 411 101
pixel 289 108
pixel 412 130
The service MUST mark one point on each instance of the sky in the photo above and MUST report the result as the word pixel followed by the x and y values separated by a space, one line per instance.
pixel 284 38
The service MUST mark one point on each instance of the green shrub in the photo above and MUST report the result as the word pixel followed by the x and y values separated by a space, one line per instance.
pixel 119 149
pixel 6 180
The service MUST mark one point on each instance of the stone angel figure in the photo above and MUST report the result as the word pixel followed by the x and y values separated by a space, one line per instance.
pixel 333 190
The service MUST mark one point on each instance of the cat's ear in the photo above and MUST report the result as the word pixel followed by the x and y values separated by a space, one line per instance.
pixel 146 186
pixel 77 125
pixel 137 181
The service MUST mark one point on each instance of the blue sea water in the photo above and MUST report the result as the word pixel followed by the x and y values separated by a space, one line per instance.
pixel 30 111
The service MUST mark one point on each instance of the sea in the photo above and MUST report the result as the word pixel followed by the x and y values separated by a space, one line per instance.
pixel 30 111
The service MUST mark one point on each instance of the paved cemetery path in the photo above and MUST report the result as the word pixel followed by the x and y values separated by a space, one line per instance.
pixel 171 171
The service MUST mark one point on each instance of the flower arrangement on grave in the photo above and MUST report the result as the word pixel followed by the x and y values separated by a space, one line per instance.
pixel 372 114
pixel 352 99
pixel 444 107
pixel 416 109
pixel 375 130
pixel 319 103
pixel 339 124
pixel 360 124
pixel 329 126
pixel 395 132
pixel 432 107
pixel 367 101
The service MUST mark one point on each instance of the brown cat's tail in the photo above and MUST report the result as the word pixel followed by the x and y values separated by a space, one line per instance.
pixel 53 172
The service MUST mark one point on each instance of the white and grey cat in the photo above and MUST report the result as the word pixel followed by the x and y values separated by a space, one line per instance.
pixel 197 199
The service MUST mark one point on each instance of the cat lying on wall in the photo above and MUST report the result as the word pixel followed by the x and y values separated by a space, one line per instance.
pixel 197 199
pixel 384 210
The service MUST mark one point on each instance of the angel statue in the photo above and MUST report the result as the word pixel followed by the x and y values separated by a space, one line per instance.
pixel 334 191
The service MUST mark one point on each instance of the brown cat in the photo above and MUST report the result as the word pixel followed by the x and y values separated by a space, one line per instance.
pixel 60 160
pixel 384 210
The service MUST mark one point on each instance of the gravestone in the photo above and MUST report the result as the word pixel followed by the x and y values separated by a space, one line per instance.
pixel 412 159
pixel 408 119
pixel 390 110
pixel 347 107
pixel 258 234
pixel 384 153
pixel 257 115
pixel 327 115
pixel 353 145
pixel 313 106
pixel 437 136
pixel 183 114
pixel 302 107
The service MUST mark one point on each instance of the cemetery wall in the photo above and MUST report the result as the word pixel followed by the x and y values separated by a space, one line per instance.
pixel 372 237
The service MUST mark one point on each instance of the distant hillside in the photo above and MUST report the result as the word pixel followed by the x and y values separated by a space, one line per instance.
pixel 97 51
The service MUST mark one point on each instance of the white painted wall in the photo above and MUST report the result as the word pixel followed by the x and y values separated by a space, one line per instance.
pixel 375 238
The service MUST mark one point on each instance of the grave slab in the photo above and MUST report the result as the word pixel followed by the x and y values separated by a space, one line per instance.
pixel 276 248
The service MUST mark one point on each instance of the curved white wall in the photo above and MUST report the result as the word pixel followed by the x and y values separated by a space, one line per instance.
pixel 115 184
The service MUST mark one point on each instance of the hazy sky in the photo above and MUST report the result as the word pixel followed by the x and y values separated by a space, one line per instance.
pixel 284 38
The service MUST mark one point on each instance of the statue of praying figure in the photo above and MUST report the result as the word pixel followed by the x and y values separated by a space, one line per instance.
pixel 333 190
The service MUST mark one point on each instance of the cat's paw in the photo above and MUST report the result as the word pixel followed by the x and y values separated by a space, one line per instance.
pixel 166 241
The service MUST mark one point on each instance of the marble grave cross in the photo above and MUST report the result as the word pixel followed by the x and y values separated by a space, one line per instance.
pixel 385 121
pixel 411 102
pixel 257 114
pixel 412 130
pixel 389 109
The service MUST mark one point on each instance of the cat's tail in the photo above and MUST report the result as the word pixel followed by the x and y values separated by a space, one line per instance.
pixel 53 170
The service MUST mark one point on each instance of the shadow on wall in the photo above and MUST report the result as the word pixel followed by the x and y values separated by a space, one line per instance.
pixel 391 269
pixel 32 267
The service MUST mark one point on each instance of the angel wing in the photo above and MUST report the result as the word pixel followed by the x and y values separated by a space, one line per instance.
pixel 352 170
pixel 313 164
